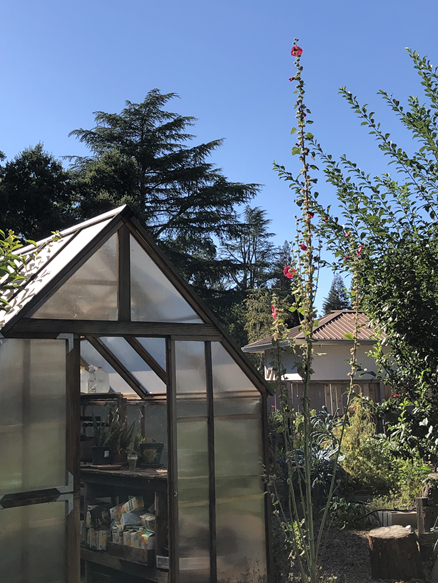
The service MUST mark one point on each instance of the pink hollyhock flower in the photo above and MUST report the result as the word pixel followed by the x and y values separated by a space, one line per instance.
pixel 289 271
pixel 296 51
pixel 347 258
pixel 324 219
pixel 396 396
pixel 347 234
pixel 359 251
pixel 291 78
pixel 304 115
pixel 274 312
pixel 303 247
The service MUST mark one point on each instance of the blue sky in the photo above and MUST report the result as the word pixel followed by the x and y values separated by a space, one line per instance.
pixel 229 61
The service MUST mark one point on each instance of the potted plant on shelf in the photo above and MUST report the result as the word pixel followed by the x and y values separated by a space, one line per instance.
pixel 125 435
pixel 150 452
pixel 106 435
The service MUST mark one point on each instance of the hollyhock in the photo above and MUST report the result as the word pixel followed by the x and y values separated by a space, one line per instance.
pixel 274 312
pixel 303 247
pixel 291 78
pixel 310 215
pixel 359 251
pixel 324 219
pixel 347 234
pixel 347 258
pixel 296 51
pixel 289 271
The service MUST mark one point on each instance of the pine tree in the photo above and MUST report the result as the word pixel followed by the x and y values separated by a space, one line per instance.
pixel 337 298
pixel 141 157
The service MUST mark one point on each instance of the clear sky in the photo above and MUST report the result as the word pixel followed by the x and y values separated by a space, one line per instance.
pixel 229 61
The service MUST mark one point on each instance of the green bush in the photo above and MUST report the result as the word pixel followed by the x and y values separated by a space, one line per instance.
pixel 375 462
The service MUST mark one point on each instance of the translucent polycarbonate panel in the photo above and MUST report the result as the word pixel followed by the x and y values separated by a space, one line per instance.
pixel 51 270
pixel 192 460
pixel 156 348
pixel 227 374
pixel 91 292
pixel 131 360
pixel 190 364
pixel 33 544
pixel 240 510
pixel 32 414
pixel 227 404
pixel 153 297
pixel 90 356
pixel 240 518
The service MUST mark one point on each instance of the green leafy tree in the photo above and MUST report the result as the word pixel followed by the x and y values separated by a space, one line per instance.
pixel 142 157
pixel 337 298
pixel 11 263
pixel 390 225
pixel 36 194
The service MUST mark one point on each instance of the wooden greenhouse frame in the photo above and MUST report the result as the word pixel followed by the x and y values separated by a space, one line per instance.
pixel 27 323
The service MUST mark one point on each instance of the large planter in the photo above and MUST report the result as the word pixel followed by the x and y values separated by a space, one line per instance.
pixel 101 455
pixel 151 453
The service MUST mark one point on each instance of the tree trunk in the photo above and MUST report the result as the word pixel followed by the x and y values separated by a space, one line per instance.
pixel 394 553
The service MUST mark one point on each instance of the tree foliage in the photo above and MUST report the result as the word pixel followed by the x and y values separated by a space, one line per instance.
pixel 143 157
pixel 390 223
pixel 36 194
pixel 337 298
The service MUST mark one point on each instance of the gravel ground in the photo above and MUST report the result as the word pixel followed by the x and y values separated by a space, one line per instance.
pixel 346 556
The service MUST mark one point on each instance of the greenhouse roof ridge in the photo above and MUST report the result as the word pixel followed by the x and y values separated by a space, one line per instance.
pixel 121 210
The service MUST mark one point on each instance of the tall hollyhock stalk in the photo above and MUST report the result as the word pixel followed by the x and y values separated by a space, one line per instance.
pixel 297 513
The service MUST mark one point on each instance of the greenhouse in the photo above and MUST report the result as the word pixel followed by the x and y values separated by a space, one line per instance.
pixel 132 428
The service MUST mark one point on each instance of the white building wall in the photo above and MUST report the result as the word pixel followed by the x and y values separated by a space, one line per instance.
pixel 329 362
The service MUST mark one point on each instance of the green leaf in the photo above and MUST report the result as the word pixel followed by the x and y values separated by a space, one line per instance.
pixel 293 130
pixel 349 336
pixel 296 150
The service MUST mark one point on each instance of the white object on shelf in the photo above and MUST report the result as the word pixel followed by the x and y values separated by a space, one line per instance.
pixel 102 381
pixel 92 379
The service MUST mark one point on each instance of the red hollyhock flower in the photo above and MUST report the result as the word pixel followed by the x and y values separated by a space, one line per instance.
pixel 311 215
pixel 291 78
pixel 289 271
pixel 303 247
pixel 274 312
pixel 359 251
pixel 396 396
pixel 347 258
pixel 296 51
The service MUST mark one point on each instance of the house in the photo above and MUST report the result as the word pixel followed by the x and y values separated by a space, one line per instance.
pixel 330 379
pixel 103 295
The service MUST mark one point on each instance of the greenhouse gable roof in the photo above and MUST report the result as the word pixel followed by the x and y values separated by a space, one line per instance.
pixel 107 277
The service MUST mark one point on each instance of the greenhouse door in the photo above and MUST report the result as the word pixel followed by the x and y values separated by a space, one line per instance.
pixel 39 512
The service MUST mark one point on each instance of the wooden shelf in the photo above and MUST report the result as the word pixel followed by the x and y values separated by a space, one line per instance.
pixel 143 572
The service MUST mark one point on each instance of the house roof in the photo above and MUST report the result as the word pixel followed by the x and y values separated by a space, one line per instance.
pixel 331 329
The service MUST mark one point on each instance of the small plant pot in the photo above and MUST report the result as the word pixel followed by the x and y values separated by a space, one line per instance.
pixel 132 461
pixel 151 453
pixel 101 455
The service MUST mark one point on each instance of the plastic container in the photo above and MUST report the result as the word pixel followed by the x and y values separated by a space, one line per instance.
pixel 92 379
pixel 102 381
pixel 84 380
